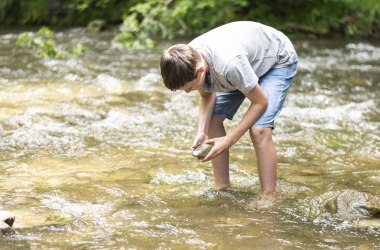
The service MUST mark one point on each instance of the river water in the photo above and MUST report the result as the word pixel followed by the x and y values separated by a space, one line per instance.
pixel 95 153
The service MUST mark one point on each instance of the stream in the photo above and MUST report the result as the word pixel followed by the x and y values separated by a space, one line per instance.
pixel 95 152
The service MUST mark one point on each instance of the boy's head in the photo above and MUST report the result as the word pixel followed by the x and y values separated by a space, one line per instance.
pixel 179 65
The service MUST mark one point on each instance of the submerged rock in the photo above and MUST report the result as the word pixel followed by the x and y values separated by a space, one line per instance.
pixel 202 150
pixel 349 205
pixel 353 204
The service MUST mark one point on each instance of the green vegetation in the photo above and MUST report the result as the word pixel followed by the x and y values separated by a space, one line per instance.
pixel 170 19
pixel 62 12
pixel 43 44
pixel 144 21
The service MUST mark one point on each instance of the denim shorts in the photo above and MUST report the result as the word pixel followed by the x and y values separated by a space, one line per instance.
pixel 275 83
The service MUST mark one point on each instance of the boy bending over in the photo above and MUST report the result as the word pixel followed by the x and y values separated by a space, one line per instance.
pixel 226 65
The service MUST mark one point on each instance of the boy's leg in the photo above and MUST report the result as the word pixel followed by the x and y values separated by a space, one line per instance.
pixel 275 83
pixel 266 158
pixel 226 106
pixel 220 164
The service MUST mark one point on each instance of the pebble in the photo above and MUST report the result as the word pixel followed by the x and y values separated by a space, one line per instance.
pixel 202 150
pixel 6 221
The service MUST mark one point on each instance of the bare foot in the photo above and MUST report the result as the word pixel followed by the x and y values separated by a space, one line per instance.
pixel 263 201
pixel 222 186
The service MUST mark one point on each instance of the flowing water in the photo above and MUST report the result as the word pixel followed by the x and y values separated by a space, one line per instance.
pixel 95 153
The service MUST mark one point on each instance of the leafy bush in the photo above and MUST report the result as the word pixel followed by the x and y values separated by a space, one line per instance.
pixel 144 21
pixel 45 46
pixel 169 19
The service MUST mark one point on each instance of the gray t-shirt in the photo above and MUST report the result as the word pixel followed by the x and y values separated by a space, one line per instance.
pixel 239 53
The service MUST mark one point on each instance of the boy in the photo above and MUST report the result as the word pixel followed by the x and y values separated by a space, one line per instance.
pixel 226 65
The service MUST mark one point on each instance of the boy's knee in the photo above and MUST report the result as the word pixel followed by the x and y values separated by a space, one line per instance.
pixel 260 135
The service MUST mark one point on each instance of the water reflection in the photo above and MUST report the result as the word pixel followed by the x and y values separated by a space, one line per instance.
pixel 95 153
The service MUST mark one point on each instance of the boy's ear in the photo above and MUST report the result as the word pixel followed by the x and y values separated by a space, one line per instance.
pixel 201 69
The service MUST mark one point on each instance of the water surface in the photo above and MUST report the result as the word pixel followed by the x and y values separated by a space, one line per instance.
pixel 95 153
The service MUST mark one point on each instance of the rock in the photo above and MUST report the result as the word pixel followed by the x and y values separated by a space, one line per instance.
pixel 202 150
pixel 6 221
pixel 7 217
pixel 347 205
pixel 370 208
pixel 353 204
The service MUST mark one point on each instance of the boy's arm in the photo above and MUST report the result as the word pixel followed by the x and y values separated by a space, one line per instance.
pixel 206 106
pixel 258 105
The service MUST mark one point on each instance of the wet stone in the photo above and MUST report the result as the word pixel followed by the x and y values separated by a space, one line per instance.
pixel 202 150
pixel 353 204
pixel 6 220
pixel 349 205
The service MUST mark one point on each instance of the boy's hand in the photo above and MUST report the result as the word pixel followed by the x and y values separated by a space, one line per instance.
pixel 220 144
pixel 199 139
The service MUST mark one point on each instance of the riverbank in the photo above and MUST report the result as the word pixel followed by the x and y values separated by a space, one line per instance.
pixel 168 20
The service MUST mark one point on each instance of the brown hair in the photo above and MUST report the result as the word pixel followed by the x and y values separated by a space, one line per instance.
pixel 179 65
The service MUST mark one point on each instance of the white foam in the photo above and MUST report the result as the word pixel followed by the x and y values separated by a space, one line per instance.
pixel 110 84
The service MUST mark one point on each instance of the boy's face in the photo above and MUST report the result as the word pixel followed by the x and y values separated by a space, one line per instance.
pixel 195 84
